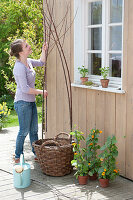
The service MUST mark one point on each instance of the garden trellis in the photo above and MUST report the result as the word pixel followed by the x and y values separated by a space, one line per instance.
pixel 55 38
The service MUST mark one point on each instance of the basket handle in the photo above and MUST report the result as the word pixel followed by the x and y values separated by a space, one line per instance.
pixel 50 142
pixel 62 133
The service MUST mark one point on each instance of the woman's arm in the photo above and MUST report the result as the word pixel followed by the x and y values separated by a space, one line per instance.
pixel 37 91
pixel 42 59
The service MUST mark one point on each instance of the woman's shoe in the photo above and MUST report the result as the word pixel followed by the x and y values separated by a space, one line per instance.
pixel 17 160
pixel 36 159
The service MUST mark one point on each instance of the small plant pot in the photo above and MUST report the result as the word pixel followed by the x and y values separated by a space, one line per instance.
pixel 83 180
pixel 92 178
pixel 104 182
pixel 83 80
pixel 104 82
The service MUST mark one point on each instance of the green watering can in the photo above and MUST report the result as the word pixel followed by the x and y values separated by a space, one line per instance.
pixel 21 174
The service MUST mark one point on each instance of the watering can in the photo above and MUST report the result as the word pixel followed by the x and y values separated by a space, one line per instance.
pixel 21 174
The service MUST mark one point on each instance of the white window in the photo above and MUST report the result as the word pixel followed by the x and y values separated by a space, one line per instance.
pixel 98 37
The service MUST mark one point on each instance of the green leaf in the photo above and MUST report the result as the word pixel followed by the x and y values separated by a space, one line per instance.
pixel 108 141
pixel 115 153
pixel 114 140
pixel 74 162
pixel 72 133
pixel 90 173
pixel 103 148
pixel 101 169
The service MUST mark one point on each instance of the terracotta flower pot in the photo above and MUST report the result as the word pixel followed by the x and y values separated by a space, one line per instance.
pixel 82 180
pixel 104 182
pixel 83 80
pixel 104 83
pixel 94 177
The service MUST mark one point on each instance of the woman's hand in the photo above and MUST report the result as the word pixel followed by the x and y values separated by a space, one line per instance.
pixel 45 46
pixel 44 52
pixel 45 93
pixel 37 91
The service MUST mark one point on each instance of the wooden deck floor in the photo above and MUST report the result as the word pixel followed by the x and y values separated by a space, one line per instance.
pixel 51 188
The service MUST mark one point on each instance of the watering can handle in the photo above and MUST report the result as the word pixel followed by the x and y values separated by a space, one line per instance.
pixel 22 159
pixel 21 164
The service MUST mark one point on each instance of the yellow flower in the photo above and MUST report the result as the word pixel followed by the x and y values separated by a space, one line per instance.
pixel 73 143
pixel 89 164
pixel 101 159
pixel 75 153
pixel 92 136
pixel 9 111
pixel 100 131
pixel 104 170
pixel 93 131
pixel 103 173
pixel 1 107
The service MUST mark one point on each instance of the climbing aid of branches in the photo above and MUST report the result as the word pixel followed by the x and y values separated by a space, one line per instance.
pixel 55 35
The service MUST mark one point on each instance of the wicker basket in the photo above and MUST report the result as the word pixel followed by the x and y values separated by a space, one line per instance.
pixel 55 155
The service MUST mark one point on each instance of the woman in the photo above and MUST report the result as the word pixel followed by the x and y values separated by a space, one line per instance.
pixel 24 102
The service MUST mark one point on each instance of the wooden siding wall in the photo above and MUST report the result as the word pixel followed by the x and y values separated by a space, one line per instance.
pixel 112 113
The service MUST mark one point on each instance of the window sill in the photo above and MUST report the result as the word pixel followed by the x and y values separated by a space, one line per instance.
pixel 99 88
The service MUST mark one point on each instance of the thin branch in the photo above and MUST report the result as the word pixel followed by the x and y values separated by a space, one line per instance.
pixel 70 105
pixel 52 34
pixel 63 68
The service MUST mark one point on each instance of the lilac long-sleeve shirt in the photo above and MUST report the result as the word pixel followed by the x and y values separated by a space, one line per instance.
pixel 25 79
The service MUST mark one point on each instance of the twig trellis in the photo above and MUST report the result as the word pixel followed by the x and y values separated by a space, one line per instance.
pixel 52 32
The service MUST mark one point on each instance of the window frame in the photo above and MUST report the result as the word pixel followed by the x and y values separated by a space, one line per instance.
pixel 80 58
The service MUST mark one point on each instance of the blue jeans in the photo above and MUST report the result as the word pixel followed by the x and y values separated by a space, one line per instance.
pixel 28 123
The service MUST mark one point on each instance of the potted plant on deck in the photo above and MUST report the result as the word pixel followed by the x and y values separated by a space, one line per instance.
pixel 83 72
pixel 104 72
pixel 79 161
pixel 108 170
pixel 91 153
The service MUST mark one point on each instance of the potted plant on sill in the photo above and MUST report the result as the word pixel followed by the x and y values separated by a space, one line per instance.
pixel 104 72
pixel 91 153
pixel 108 170
pixel 79 161
pixel 83 72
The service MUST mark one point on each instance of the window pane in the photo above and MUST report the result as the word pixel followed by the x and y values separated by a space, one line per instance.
pixel 95 13
pixel 94 62
pixel 116 11
pixel 95 43
pixel 115 65
pixel 116 38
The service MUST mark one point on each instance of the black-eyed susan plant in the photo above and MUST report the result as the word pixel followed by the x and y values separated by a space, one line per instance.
pixel 4 112
pixel 91 151
pixel 108 168
pixel 79 161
